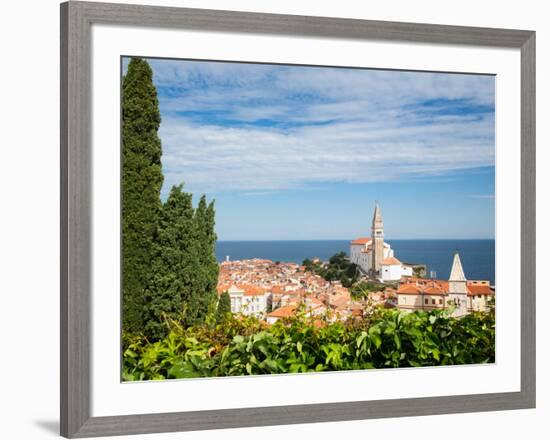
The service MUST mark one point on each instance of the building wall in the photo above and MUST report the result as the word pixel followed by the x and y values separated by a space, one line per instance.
pixel 478 303
pixel 461 303
pixel 431 302
pixel 355 253
pixel 409 301
pixel 357 256
pixel 394 272
pixel 390 273
pixel 236 301
pixel 249 305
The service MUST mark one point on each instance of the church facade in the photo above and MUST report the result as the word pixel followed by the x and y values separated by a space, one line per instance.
pixel 376 257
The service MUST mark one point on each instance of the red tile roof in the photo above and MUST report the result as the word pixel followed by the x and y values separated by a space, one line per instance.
pixel 482 289
pixel 434 290
pixel 283 312
pixel 420 286
pixel 391 261
pixel 251 290
pixel 409 289
pixel 361 240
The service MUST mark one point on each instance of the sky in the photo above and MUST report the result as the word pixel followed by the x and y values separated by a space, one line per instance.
pixel 302 153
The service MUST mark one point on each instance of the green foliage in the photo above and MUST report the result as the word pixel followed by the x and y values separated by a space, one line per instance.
pixel 168 289
pixel 419 272
pixel 169 268
pixel 339 268
pixel 184 266
pixel 244 345
pixel 224 307
pixel 203 268
pixel 141 183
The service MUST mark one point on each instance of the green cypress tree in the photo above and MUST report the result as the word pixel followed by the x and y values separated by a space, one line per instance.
pixel 168 290
pixel 224 307
pixel 141 184
pixel 203 266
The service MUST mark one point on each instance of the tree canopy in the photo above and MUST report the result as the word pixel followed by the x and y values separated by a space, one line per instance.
pixel 169 268
pixel 141 184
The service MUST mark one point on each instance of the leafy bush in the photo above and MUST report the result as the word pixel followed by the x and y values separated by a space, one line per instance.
pixel 339 268
pixel 245 345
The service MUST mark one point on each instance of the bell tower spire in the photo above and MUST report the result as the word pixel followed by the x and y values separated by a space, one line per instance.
pixel 458 289
pixel 377 239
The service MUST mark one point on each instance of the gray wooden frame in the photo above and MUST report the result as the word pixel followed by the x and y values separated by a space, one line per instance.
pixel 76 21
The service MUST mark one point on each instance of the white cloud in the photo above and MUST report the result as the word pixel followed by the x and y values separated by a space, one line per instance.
pixel 216 158
pixel 330 125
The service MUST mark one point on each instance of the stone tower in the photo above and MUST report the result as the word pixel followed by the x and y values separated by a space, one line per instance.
pixel 377 239
pixel 458 291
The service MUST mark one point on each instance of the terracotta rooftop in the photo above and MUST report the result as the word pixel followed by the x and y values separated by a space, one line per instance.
pixel 361 240
pixel 481 289
pixel 391 261
pixel 434 290
pixel 251 290
pixel 409 289
pixel 283 312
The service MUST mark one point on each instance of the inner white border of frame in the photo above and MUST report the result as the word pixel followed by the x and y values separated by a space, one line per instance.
pixel 111 397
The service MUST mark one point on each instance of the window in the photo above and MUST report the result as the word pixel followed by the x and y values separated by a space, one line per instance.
pixel 440 301
pixel 426 301
pixel 433 300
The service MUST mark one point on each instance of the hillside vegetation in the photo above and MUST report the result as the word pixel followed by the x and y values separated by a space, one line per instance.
pixel 338 268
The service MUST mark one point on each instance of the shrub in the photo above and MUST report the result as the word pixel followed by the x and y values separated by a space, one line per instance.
pixel 245 345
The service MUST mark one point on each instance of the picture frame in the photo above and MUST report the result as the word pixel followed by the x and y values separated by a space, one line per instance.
pixel 77 19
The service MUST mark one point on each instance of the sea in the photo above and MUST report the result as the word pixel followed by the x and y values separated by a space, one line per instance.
pixel 477 256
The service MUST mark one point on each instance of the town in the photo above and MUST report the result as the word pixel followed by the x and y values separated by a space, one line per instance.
pixel 275 290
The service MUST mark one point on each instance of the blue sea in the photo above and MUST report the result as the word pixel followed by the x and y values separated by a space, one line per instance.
pixel 477 256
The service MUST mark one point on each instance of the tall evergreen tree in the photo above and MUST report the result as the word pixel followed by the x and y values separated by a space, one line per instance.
pixel 224 306
pixel 169 287
pixel 202 265
pixel 141 184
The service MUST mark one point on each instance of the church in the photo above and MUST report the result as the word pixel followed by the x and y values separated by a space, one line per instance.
pixel 375 257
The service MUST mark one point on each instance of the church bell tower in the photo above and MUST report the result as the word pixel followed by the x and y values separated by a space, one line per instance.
pixel 377 239
pixel 458 289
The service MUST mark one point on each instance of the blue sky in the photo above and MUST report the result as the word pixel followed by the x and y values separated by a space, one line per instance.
pixel 294 152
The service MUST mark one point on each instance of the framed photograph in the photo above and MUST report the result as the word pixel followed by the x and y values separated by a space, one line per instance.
pixel 273 219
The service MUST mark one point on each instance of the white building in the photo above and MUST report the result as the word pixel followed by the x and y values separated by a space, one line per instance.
pixel 249 300
pixel 375 257
pixel 391 269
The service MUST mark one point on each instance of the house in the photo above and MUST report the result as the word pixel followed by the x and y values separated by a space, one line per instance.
pixel 480 295
pixel 282 312
pixel 248 299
